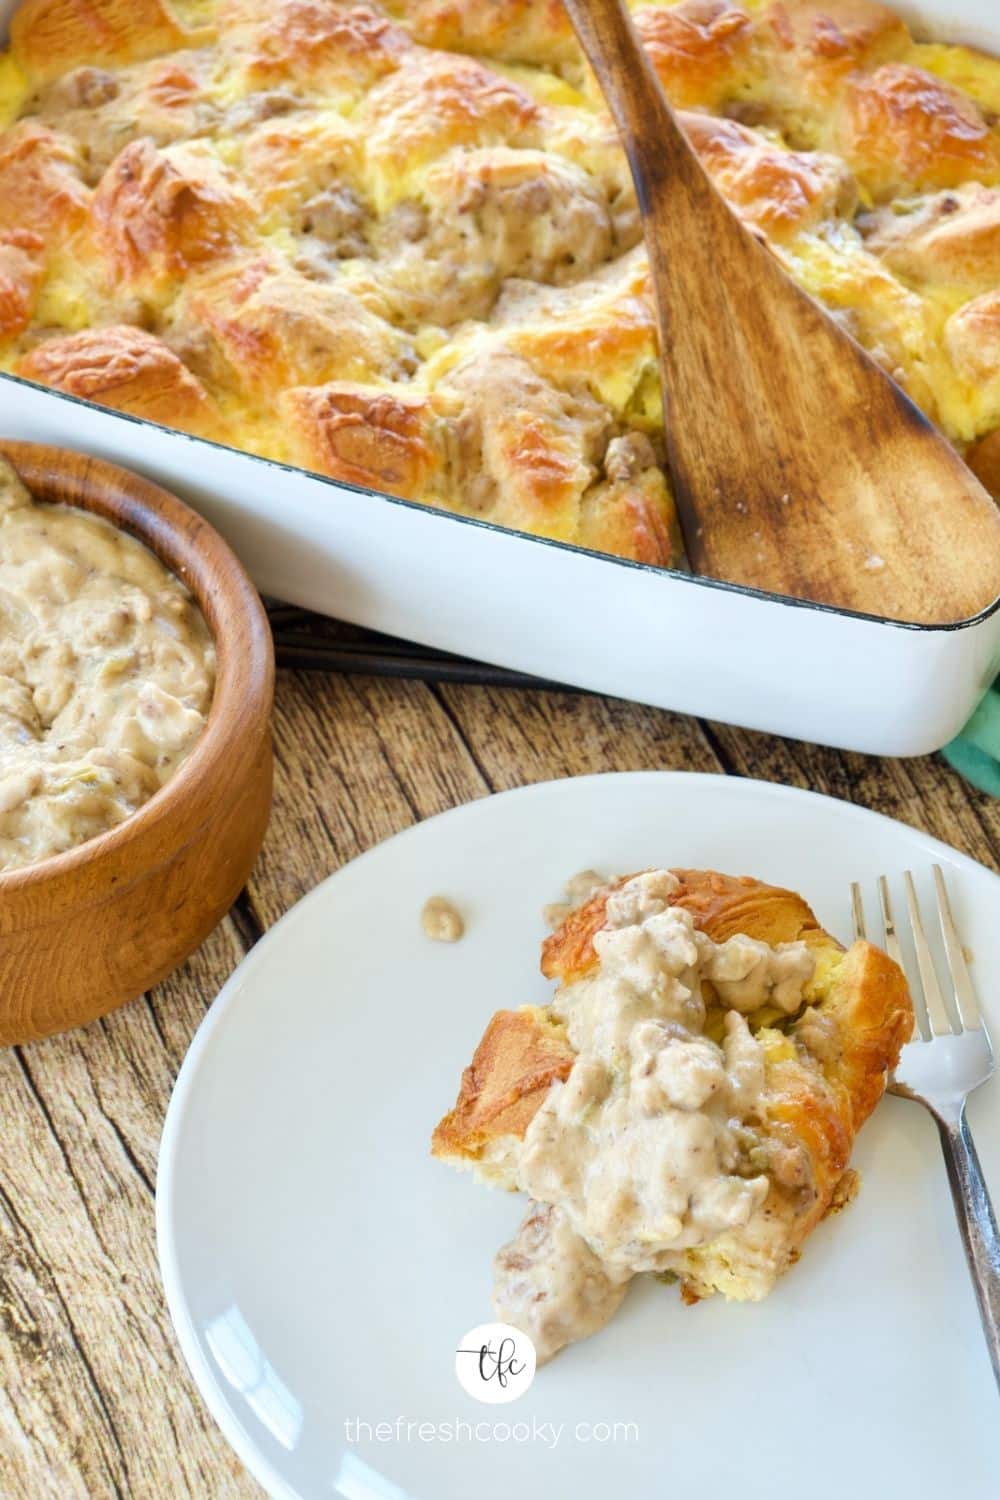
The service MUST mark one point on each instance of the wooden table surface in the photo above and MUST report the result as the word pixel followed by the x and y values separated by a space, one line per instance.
pixel 94 1398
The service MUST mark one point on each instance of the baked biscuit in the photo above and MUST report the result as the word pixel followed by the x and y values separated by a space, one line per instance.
pixel 972 338
pixel 518 31
pixel 48 37
pixel 21 272
pixel 339 49
pixel 700 49
pixel 254 325
pixel 807 51
pixel 630 512
pixel 436 103
pixel 521 1054
pixel 523 450
pixel 128 370
pixel 372 437
pixel 588 138
pixel 158 215
pixel 951 238
pixel 166 100
pixel 780 192
pixel 904 130
pixel 309 168
pixel 41 187
pixel 599 333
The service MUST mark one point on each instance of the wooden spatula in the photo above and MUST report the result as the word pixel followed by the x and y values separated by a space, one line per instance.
pixel 799 466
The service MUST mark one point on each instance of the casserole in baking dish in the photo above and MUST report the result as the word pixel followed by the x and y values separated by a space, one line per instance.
pixel 455 310
pixel 398 243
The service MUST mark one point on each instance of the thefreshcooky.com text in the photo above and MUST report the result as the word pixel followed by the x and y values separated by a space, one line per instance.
pixel 551 1434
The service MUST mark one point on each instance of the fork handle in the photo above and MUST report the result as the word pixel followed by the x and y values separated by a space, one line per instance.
pixel 977 1223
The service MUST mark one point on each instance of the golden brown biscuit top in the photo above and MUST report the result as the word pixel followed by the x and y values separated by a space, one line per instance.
pixel 398 243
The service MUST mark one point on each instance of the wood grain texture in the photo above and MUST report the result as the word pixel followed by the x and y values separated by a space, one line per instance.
pixel 85 930
pixel 94 1399
pixel 799 466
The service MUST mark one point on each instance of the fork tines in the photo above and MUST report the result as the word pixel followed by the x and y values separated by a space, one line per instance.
pixel 933 1014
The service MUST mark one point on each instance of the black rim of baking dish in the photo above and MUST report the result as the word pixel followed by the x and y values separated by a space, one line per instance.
pixel 696 579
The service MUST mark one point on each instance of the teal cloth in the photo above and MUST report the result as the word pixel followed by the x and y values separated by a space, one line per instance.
pixel 975 753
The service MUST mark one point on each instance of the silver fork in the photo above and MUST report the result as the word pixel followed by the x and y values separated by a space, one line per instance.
pixel 950 1055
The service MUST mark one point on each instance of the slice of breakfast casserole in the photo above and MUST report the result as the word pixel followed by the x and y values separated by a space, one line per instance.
pixel 687 1103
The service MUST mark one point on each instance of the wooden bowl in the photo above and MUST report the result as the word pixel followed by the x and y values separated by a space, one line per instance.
pixel 84 931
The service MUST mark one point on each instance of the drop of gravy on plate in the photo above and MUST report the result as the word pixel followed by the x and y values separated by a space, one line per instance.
pixel 441 921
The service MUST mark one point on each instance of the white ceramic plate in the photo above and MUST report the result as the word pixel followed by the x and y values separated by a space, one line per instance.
pixel 321 1269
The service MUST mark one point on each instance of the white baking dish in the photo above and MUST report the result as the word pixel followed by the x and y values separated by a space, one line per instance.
pixel 636 632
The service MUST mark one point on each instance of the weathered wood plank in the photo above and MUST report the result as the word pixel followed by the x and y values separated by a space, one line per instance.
pixel 925 792
pixel 520 737
pixel 97 1401
pixel 357 759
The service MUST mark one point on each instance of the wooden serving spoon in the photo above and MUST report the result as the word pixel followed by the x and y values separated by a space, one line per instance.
pixel 799 466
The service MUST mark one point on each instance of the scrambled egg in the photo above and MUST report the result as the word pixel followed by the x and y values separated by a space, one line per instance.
pixel 14 89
